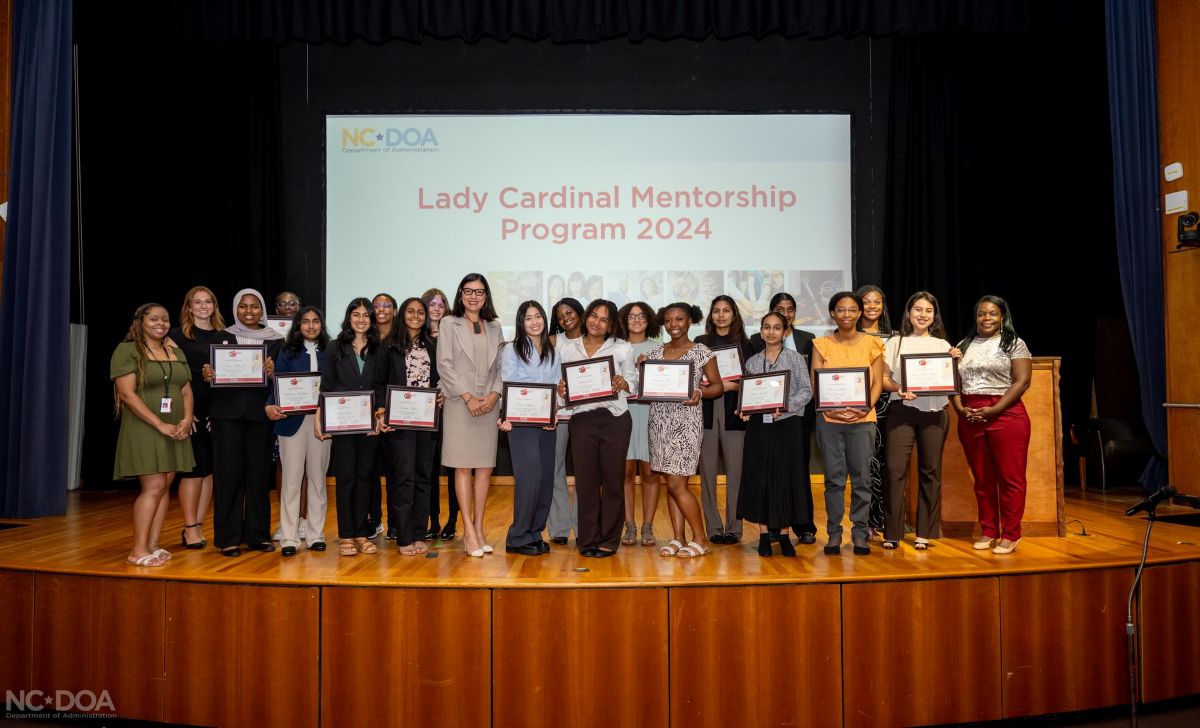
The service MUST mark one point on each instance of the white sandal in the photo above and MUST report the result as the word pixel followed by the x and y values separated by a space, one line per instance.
pixel 692 550
pixel 161 554
pixel 672 548
pixel 147 560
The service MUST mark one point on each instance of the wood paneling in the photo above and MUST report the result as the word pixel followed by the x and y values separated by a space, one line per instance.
pixel 1063 641
pixel 579 657
pixel 1179 141
pixel 99 634
pixel 921 653
pixel 240 655
pixel 16 630
pixel 1170 633
pixel 1043 472
pixel 428 652
pixel 755 656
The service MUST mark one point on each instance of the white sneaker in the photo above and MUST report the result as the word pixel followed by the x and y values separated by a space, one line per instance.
pixel 378 531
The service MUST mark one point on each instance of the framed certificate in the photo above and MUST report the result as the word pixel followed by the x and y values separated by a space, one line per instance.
pixel 298 393
pixel 589 380
pixel 528 405
pixel 764 392
pixel 347 413
pixel 842 388
pixel 282 324
pixel 729 362
pixel 412 408
pixel 929 374
pixel 666 380
pixel 238 365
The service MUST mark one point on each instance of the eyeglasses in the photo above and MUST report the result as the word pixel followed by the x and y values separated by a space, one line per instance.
pixel 287 304
pixel 474 293
pixel 385 306
pixel 637 317
pixel 844 311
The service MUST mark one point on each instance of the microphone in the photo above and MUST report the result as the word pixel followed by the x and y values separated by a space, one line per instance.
pixel 1148 504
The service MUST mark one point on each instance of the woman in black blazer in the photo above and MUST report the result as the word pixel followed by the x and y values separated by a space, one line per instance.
pixel 351 365
pixel 409 355
pixel 801 341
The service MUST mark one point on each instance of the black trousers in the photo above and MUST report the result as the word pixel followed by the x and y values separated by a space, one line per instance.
pixel 242 477
pixel 810 426
pixel 375 496
pixel 410 453
pixel 599 444
pixel 354 463
pixel 532 451
pixel 435 494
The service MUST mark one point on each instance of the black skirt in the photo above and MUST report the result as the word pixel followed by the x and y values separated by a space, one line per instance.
pixel 773 474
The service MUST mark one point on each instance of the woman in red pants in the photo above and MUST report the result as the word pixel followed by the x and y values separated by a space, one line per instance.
pixel 992 424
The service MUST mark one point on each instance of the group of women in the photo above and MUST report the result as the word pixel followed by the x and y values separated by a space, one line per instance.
pixel 219 440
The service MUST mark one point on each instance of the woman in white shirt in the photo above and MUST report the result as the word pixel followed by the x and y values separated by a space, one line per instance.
pixel 921 421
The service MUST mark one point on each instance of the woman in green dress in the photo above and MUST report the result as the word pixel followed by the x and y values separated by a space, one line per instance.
pixel 151 383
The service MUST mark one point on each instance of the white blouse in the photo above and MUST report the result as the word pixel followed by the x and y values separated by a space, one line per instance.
pixel 623 364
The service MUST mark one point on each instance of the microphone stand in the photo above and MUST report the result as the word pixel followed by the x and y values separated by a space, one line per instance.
pixel 1130 624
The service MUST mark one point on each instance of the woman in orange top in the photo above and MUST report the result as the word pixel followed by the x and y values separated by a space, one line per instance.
pixel 847 435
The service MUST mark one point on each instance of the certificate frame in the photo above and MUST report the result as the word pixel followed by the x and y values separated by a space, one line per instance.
pixel 256 348
pixel 298 410
pixel 657 397
pixel 752 379
pixel 396 389
pixel 528 422
pixel 741 362
pixel 366 429
pixel 955 388
pixel 585 398
pixel 274 321
pixel 864 403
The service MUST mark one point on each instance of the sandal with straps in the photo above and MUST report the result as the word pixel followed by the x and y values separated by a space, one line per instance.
pixel 672 548
pixel 691 551
pixel 346 547
pixel 648 535
pixel 365 546
pixel 630 537
pixel 147 560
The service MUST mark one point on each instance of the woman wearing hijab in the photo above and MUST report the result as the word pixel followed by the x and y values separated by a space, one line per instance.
pixel 243 438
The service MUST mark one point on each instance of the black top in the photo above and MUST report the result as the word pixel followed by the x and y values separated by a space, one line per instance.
pixel 729 399
pixel 394 370
pixel 341 369
pixel 196 350
pixel 241 403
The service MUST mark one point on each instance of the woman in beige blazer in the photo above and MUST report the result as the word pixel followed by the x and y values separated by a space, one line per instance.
pixel 469 365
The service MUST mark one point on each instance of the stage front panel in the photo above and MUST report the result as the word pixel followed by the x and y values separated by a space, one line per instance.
pixel 921 653
pixel 1170 633
pixel 756 656
pixel 16 629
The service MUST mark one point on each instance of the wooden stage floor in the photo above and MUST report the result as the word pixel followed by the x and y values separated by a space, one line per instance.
pixel 92 539
pixel 896 638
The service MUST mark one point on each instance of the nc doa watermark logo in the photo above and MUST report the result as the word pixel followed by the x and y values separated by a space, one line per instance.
pixel 44 704
pixel 370 140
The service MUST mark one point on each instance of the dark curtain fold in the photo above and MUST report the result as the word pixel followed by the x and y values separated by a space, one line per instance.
pixel 376 21
pixel 1133 104
pixel 37 255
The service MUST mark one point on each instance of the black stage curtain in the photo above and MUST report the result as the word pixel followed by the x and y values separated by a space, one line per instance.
pixel 1133 99
pixel 998 182
pixel 376 21
pixel 34 322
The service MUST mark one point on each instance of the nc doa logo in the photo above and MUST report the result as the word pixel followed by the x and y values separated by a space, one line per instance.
pixel 369 137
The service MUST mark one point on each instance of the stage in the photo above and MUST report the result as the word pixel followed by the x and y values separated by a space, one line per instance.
pixel 900 637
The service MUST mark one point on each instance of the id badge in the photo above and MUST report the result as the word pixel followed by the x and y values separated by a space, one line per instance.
pixel 164 406
pixel 768 419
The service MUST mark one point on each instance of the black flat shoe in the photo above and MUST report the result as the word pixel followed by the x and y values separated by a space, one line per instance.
pixel 526 550
pixel 390 535
pixel 231 553
pixel 289 551
pixel 785 544
pixel 543 547
pixel 559 540
pixel 588 552
pixel 266 547
pixel 602 554
pixel 863 550
pixel 808 538
pixel 764 545
pixel 318 546
pixel 430 535
pixel 833 550
pixel 448 532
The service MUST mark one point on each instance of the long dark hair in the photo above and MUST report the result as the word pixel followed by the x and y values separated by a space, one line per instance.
pixel 652 327
pixel 1008 333
pixel 614 317
pixel 521 341
pixel 737 329
pixel 575 305
pixel 937 328
pixel 346 337
pixel 398 337
pixel 885 321
pixel 488 311
pixel 295 339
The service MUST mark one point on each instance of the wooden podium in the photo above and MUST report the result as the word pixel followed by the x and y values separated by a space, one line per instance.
pixel 1044 472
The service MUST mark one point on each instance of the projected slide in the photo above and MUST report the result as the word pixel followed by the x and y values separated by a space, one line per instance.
pixel 655 208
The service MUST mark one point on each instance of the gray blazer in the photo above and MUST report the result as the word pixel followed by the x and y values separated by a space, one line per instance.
pixel 456 364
